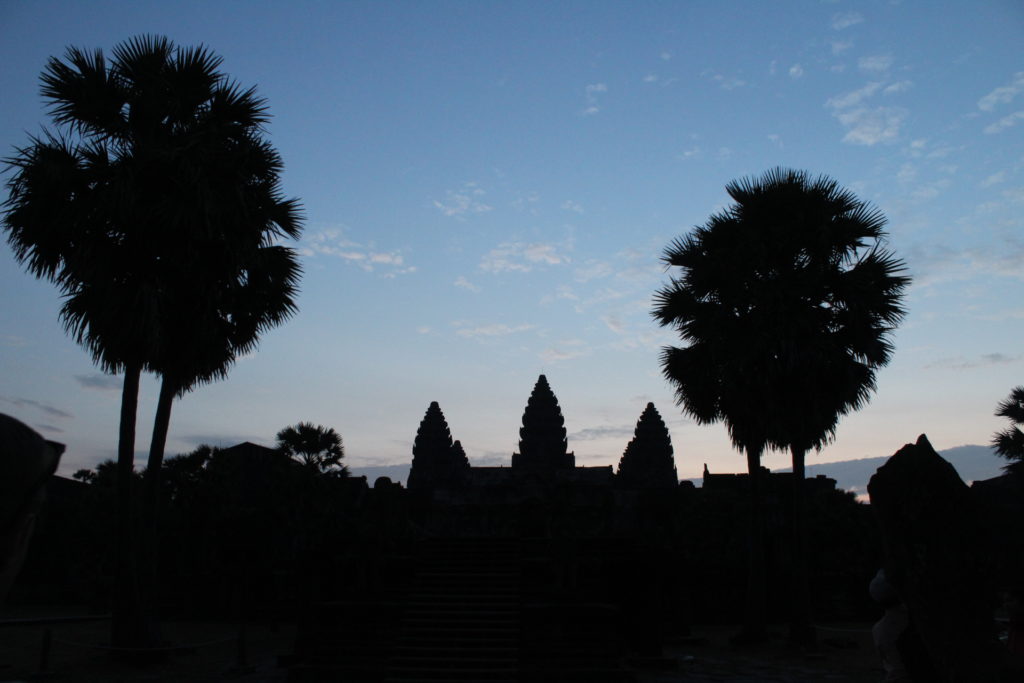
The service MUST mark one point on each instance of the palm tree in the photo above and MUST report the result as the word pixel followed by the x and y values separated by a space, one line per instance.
pixel 1009 443
pixel 315 446
pixel 157 193
pixel 788 300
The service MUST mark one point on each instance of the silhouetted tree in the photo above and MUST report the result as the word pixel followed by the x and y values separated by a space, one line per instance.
pixel 105 474
pixel 315 446
pixel 787 299
pixel 1009 443
pixel 156 204
pixel 648 461
pixel 185 471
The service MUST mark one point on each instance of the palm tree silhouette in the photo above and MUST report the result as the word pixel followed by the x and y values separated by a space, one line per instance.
pixel 788 300
pixel 314 446
pixel 1009 443
pixel 153 209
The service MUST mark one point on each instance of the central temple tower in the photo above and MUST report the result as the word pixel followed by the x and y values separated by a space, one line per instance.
pixel 542 440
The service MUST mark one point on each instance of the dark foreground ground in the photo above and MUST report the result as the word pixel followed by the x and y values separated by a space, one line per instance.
pixel 210 652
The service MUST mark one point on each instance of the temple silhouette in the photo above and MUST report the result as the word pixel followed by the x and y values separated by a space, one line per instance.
pixel 543 461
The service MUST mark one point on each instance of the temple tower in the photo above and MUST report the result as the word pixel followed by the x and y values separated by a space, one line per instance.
pixel 647 461
pixel 542 440
pixel 436 460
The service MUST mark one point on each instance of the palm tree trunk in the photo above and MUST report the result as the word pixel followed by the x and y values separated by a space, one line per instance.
pixel 800 631
pixel 161 424
pixel 755 626
pixel 126 615
pixel 151 502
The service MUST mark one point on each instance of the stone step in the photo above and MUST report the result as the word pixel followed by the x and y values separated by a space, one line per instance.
pixel 507 595
pixel 461 663
pixel 437 631
pixel 451 625
pixel 469 605
pixel 427 671
pixel 462 615
pixel 456 651
pixel 413 679
pixel 456 576
pixel 462 620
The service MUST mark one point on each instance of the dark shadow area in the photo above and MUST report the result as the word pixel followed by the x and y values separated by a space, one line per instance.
pixel 539 571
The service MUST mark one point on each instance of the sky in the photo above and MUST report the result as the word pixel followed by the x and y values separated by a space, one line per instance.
pixel 489 187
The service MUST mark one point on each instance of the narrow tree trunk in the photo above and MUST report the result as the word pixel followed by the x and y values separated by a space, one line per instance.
pixel 755 626
pixel 151 503
pixel 126 615
pixel 801 632
pixel 161 424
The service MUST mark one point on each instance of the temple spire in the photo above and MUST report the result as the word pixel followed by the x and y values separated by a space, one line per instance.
pixel 436 460
pixel 648 461
pixel 542 438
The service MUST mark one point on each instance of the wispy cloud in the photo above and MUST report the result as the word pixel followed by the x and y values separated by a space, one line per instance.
pixel 846 20
pixel 665 55
pixel 45 408
pixel 466 200
pixel 930 190
pixel 841 46
pixel 100 381
pixel 614 323
pixel 875 63
pixel 1003 94
pixel 12 341
pixel 606 432
pixel 866 125
pixel 521 257
pixel 592 269
pixel 494 330
pixel 570 205
pixel 724 82
pixel 332 242
pixel 527 203
pixel 963 363
pixel 854 97
pixel 543 253
pixel 466 284
pixel 557 354
pixel 43 427
pixel 994 179
pixel 368 260
pixel 592 91
pixel 1005 122
pixel 935 264
pixel 562 292
pixel 796 71
pixel 899 86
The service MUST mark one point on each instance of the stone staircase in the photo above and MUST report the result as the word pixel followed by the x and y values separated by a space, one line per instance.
pixel 462 618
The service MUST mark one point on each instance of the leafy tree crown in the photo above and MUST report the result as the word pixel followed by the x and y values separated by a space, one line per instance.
pixel 786 300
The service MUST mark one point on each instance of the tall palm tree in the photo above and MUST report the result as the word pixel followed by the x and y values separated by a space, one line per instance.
pixel 157 192
pixel 788 300
pixel 1009 443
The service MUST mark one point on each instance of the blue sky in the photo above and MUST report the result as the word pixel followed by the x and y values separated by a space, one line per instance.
pixel 489 187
